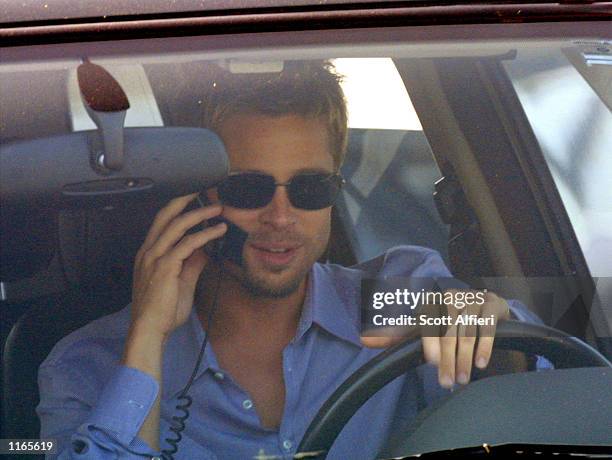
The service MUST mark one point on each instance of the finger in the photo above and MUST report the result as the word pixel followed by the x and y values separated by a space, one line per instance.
pixel 465 355
pixel 497 308
pixel 431 312
pixel 448 350
pixel 446 369
pixel 193 266
pixel 171 263
pixel 431 350
pixel 164 216
pixel 483 351
pixel 190 243
pixel 383 337
pixel 175 230
pixel 430 334
pixel 380 342
pixel 466 340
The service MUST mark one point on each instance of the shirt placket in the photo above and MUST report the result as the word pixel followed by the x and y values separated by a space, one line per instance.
pixel 236 394
pixel 287 442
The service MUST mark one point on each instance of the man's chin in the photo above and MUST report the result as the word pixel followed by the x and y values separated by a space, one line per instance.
pixel 272 283
pixel 265 283
pixel 269 290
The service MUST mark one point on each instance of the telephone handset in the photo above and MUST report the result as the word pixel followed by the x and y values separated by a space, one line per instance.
pixel 230 245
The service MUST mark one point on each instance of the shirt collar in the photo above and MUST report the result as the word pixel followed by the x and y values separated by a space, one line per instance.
pixel 332 303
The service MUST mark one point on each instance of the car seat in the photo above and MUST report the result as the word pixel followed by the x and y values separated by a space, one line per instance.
pixel 59 272
pixel 388 198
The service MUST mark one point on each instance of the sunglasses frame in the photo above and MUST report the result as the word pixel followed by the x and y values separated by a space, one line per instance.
pixel 334 176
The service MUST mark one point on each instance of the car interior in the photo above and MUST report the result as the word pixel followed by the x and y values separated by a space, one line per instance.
pixel 70 266
pixel 467 185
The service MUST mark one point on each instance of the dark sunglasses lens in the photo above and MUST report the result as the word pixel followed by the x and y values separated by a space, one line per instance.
pixel 247 191
pixel 314 191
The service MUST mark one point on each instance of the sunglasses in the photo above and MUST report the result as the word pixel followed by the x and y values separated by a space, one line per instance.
pixel 255 190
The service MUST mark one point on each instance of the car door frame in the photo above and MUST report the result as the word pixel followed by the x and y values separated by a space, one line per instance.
pixel 535 239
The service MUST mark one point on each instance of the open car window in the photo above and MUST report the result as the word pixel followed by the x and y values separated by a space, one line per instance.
pixel 390 170
pixel 573 124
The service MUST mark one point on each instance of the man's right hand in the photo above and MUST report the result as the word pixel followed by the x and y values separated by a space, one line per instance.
pixel 168 265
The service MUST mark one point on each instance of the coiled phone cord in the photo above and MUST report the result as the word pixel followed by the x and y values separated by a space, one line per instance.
pixel 185 401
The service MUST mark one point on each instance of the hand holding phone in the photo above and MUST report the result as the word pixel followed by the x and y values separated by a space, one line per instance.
pixel 168 265
pixel 166 270
pixel 230 246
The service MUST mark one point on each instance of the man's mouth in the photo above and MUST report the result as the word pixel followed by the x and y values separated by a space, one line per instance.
pixel 275 253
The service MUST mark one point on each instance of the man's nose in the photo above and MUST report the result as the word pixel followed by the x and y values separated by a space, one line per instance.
pixel 279 212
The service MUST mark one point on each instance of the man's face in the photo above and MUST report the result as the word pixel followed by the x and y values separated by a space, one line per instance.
pixel 282 147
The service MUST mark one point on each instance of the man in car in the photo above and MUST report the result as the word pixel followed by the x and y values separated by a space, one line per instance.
pixel 282 330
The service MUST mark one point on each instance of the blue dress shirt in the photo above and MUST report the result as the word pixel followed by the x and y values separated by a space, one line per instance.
pixel 94 406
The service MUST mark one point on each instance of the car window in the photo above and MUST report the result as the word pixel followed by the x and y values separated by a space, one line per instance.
pixel 573 126
pixel 390 168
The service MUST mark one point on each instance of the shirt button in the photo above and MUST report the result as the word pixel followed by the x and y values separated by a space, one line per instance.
pixel 247 403
pixel 219 375
pixel 80 446
pixel 287 444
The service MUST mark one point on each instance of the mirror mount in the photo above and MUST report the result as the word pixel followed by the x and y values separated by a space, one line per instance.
pixel 106 103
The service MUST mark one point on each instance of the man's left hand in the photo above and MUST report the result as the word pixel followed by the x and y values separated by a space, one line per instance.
pixel 460 346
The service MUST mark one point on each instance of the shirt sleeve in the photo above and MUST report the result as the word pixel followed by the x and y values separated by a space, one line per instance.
pixel 90 426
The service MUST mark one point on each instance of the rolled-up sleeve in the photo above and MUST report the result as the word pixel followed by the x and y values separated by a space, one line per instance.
pixel 87 425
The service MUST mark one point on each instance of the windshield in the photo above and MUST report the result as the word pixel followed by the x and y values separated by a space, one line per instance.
pixel 376 173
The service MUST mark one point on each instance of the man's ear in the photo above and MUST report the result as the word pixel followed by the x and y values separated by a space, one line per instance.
pixel 339 250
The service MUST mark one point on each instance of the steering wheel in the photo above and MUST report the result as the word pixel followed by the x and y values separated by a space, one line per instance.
pixel 563 350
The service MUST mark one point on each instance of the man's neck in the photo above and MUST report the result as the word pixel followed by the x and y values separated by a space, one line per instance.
pixel 239 315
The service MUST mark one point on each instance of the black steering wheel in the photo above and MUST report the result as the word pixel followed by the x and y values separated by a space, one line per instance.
pixel 563 350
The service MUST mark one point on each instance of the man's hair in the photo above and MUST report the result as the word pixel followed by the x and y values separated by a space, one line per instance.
pixel 307 88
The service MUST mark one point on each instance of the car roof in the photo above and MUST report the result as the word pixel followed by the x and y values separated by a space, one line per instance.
pixel 31 11
pixel 44 10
